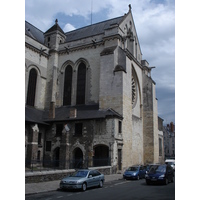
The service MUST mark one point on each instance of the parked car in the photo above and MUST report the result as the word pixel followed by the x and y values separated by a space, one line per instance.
pixel 134 172
pixel 160 174
pixel 170 162
pixel 148 167
pixel 83 179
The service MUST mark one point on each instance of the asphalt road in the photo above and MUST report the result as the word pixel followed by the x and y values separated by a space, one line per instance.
pixel 116 190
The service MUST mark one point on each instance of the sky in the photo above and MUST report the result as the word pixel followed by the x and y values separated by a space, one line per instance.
pixel 155 26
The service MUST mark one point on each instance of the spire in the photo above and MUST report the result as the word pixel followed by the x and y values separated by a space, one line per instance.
pixel 129 7
pixel 55 27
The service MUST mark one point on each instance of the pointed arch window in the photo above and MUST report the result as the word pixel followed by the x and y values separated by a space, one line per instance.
pixel 31 87
pixel 81 81
pixel 67 86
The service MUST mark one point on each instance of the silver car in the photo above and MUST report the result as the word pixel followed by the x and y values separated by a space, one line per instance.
pixel 82 179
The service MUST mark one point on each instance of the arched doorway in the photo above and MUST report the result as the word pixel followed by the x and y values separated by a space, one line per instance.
pixel 78 158
pixel 101 156
pixel 56 156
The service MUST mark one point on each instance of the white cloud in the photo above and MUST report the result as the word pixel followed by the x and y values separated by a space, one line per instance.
pixel 68 27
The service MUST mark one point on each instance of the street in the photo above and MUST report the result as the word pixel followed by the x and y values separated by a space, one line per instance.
pixel 115 190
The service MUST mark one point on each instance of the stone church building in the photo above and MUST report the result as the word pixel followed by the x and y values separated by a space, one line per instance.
pixel 90 99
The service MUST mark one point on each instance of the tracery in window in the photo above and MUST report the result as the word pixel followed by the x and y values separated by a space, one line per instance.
pixel 133 90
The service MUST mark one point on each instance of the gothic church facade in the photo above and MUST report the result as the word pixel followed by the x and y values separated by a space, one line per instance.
pixel 90 99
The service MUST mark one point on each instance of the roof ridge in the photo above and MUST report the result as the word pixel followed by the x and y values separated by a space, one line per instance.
pixel 94 24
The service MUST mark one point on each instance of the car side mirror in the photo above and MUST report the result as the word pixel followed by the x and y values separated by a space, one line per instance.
pixel 90 176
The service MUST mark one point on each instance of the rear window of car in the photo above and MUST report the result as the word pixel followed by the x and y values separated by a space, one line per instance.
pixel 96 173
pixel 159 168
pixel 132 169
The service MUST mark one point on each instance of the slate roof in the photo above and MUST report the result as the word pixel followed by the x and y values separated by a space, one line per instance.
pixel 34 115
pixel 34 32
pixel 94 29
pixel 84 112
pixel 77 34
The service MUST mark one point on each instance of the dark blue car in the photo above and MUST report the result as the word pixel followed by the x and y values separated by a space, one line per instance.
pixel 134 172
pixel 160 174
pixel 148 167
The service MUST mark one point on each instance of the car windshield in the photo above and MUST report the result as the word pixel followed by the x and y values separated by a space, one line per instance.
pixel 80 174
pixel 148 167
pixel 132 169
pixel 158 169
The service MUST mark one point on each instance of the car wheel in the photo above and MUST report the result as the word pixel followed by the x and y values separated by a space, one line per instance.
pixel 166 181
pixel 84 186
pixel 172 180
pixel 101 184
pixel 147 182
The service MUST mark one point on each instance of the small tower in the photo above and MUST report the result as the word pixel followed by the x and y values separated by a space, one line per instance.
pixel 52 39
pixel 54 36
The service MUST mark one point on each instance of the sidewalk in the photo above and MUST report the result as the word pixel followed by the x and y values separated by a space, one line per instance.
pixel 34 188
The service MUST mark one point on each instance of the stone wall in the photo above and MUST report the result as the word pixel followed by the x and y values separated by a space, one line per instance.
pixel 36 177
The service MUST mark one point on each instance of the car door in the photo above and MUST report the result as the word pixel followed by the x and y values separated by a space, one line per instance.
pixel 96 178
pixel 91 179
pixel 142 172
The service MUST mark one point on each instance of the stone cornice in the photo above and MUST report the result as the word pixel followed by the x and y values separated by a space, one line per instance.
pixel 112 37
pixel 81 47
pixel 37 50
pixel 91 45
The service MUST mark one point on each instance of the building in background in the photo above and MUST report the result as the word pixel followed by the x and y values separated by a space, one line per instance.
pixel 161 140
pixel 90 98
pixel 169 140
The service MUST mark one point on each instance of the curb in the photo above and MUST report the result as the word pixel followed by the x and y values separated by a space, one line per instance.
pixel 58 189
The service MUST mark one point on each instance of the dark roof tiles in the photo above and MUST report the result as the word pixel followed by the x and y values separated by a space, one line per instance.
pixel 94 29
pixel 83 112
pixel 87 31
pixel 34 32
pixel 34 115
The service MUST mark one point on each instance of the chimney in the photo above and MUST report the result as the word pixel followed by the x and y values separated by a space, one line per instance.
pixel 52 110
pixel 72 113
